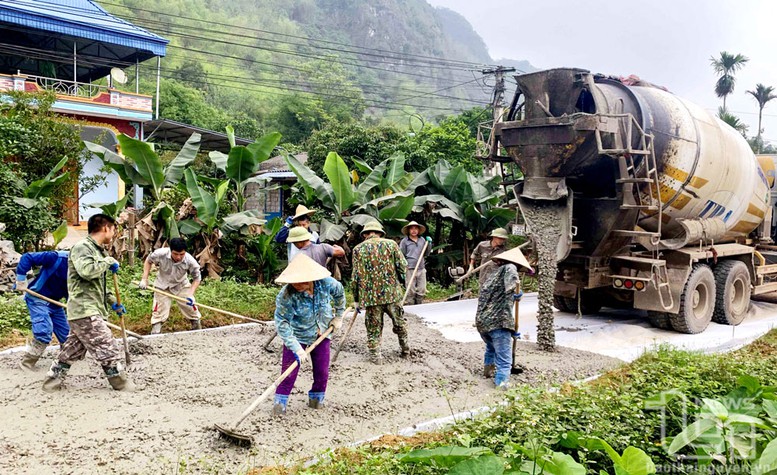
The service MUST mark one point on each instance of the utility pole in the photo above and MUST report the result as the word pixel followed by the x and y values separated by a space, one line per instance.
pixel 497 106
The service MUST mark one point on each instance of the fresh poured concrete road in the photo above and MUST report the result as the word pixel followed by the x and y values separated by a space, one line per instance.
pixel 623 334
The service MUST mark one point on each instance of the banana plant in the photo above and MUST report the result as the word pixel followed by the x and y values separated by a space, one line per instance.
pixel 141 166
pixel 386 192
pixel 42 188
pixel 243 161
pixel 458 195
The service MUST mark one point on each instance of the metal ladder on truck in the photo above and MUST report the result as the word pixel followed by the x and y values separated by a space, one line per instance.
pixel 645 197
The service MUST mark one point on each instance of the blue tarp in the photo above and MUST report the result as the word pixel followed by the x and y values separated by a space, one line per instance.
pixel 80 19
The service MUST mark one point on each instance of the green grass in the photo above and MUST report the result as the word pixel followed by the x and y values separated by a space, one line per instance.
pixel 612 407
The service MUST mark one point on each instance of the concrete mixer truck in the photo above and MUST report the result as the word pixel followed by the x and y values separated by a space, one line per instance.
pixel 654 203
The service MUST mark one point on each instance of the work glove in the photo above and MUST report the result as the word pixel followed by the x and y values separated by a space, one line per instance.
pixel 337 323
pixel 190 301
pixel 429 240
pixel 289 222
pixel 119 309
pixel 302 357
pixel 113 265
pixel 143 284
pixel 21 283
pixel 517 297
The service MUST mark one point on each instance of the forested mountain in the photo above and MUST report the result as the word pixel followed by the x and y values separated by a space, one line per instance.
pixel 291 65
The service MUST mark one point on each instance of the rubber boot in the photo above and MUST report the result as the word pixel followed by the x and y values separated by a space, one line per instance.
pixel 118 379
pixel 54 377
pixel 196 324
pixel 316 400
pixel 35 349
pixel 404 349
pixel 279 405
pixel 489 370
pixel 376 358
pixel 156 328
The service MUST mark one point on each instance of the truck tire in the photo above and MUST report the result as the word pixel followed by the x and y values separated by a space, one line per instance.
pixel 659 320
pixel 562 304
pixel 697 301
pixel 733 297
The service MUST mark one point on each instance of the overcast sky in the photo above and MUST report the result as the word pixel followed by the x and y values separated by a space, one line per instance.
pixel 666 42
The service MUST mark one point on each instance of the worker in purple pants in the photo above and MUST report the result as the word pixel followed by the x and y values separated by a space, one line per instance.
pixel 309 303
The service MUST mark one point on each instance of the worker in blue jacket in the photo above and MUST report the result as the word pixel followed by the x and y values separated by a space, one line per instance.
pixel 46 317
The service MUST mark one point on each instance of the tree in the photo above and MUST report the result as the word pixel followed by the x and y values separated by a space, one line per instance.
pixel 450 141
pixel 762 95
pixel 352 141
pixel 733 121
pixel 726 66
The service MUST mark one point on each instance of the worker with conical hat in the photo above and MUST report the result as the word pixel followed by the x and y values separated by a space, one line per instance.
pixel 412 247
pixel 378 277
pixel 485 250
pixel 300 237
pixel 305 307
pixel 494 318
pixel 301 217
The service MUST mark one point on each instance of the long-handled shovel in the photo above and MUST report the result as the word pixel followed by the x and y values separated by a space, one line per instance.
pixel 202 305
pixel 230 432
pixel 415 270
pixel 60 304
pixel 347 332
pixel 123 327
pixel 516 368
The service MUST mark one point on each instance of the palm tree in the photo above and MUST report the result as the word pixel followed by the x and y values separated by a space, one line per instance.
pixel 726 66
pixel 733 121
pixel 762 95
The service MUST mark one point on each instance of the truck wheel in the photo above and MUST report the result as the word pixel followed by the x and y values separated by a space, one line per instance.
pixel 697 302
pixel 562 304
pixel 659 320
pixel 733 299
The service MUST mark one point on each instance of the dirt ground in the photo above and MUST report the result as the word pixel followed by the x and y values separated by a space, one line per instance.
pixel 188 381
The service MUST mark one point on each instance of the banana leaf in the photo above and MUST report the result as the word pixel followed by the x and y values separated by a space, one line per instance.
pixel 124 168
pixel 361 165
pixel 207 209
pixel 230 135
pixel 167 214
pixel 330 232
pixel 439 174
pixel 60 233
pixel 147 163
pixel 340 181
pixel 240 164
pixel 359 219
pixel 312 183
pixel 189 227
pixel 219 159
pixel 457 186
pixel 112 209
pixel 373 180
pixel 28 203
pixel 240 222
pixel 395 170
pixel 44 186
pixel 263 147
pixel 398 210
pixel 174 170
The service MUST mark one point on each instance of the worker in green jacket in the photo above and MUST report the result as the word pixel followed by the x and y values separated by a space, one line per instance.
pixel 89 301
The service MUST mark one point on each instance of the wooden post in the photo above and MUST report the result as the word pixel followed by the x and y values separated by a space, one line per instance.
pixel 131 245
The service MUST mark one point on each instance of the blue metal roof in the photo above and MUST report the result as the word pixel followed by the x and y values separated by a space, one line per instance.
pixel 80 19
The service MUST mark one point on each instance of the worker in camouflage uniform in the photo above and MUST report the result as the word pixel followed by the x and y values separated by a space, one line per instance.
pixel 306 306
pixel 485 250
pixel 87 307
pixel 379 276
pixel 46 317
pixel 495 320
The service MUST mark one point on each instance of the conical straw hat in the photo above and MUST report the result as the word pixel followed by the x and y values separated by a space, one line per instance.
pixel 302 269
pixel 405 228
pixel 302 210
pixel 298 234
pixel 515 256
